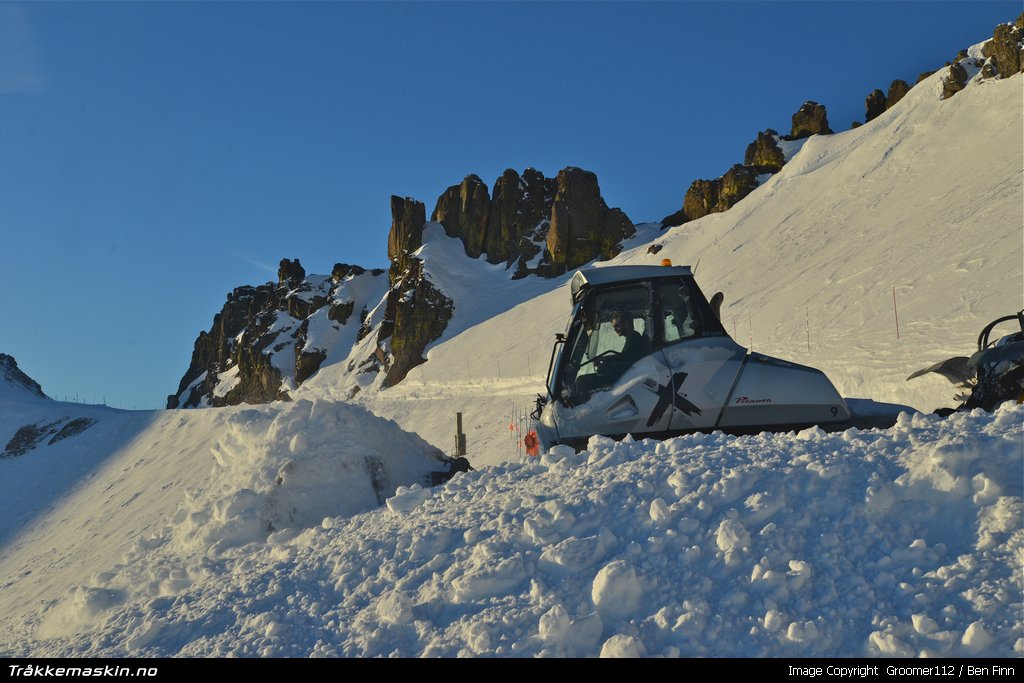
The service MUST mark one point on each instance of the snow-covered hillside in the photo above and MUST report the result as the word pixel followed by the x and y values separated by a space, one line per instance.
pixel 257 531
pixel 922 204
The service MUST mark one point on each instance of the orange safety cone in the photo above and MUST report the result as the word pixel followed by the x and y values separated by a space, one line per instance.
pixel 532 444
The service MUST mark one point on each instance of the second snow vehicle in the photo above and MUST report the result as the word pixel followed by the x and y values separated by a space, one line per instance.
pixel 993 375
pixel 646 354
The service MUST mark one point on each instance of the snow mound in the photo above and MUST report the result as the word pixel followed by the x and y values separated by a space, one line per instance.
pixel 276 471
pixel 294 467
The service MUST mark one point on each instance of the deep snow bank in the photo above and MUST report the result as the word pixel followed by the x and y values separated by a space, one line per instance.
pixel 899 542
pixel 159 509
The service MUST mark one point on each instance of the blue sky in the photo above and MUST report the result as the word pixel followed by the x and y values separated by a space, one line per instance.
pixel 153 156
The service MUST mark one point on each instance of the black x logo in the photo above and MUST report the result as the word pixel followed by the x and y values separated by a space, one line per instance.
pixel 666 397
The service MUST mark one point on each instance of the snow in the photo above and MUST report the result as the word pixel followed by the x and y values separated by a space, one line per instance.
pixel 226 381
pixel 831 543
pixel 307 528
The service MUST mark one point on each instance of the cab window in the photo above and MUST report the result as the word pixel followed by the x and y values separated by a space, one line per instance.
pixel 612 331
pixel 678 318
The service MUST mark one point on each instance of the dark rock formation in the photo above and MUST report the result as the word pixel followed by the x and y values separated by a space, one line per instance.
pixel 73 428
pixel 28 437
pixel 954 82
pixel 677 218
pixel 261 334
pixel 897 91
pixel 922 76
pixel 1005 48
pixel 290 273
pixel 541 225
pixel 519 205
pixel 582 225
pixel 344 270
pixel 32 435
pixel 12 375
pixel 764 153
pixel 417 314
pixel 408 217
pixel 463 210
pixel 714 196
pixel 415 311
pixel 874 105
pixel 810 119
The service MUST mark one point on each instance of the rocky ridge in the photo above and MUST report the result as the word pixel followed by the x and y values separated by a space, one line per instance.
pixel 1000 57
pixel 269 339
pixel 542 226
pixel 12 378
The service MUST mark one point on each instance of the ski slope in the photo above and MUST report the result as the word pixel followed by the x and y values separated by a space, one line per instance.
pixel 256 531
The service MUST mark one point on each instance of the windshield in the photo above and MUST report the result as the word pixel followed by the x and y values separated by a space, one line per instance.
pixel 611 331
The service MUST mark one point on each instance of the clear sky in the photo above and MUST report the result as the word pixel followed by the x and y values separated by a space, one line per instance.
pixel 153 156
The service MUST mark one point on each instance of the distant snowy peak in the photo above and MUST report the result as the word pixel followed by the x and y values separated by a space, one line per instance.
pixel 16 384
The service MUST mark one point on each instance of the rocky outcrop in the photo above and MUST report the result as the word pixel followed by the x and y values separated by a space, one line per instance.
pixel 290 273
pixel 762 156
pixel 878 102
pixel 764 153
pixel 269 339
pixel 408 217
pixel 582 225
pixel 897 91
pixel 714 196
pixel 520 206
pixel 258 347
pixel 31 436
pixel 540 225
pixel 954 81
pixel 417 313
pixel 874 105
pixel 463 210
pixel 12 377
pixel 1006 49
pixel 810 119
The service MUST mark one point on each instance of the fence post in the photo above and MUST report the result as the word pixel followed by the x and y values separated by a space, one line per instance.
pixel 895 312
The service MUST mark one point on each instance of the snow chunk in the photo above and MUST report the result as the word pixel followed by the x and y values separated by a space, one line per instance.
pixel 732 538
pixel 408 498
pixel 616 591
pixel 924 624
pixel 394 608
pixel 623 647
pixel 554 626
pixel 976 638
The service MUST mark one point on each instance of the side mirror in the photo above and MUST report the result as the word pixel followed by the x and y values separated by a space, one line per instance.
pixel 716 304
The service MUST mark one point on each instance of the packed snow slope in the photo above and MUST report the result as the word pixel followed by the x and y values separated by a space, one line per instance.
pixel 922 203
